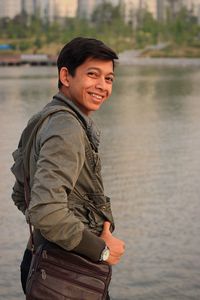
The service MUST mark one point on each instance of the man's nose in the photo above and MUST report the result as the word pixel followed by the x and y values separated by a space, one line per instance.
pixel 101 84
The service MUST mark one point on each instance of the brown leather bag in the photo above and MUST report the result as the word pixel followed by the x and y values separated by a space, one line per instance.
pixel 56 274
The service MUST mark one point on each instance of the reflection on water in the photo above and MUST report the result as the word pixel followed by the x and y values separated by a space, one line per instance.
pixel 151 165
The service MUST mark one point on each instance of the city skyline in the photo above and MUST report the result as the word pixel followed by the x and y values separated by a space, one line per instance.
pixel 59 9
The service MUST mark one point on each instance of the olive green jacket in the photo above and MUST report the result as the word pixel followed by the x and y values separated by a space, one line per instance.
pixel 68 205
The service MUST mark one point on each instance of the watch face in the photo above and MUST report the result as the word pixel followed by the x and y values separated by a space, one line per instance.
pixel 105 254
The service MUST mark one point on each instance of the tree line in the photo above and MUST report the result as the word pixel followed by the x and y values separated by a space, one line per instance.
pixel 107 23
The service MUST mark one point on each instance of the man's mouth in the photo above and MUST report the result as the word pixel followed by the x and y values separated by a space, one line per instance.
pixel 96 96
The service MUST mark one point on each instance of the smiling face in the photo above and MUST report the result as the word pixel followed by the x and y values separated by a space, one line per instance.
pixel 90 86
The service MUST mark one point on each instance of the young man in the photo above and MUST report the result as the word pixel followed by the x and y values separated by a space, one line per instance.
pixel 68 206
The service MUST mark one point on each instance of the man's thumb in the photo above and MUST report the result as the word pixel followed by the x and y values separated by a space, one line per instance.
pixel 106 227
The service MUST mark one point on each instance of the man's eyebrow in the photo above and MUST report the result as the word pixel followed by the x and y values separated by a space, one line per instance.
pixel 98 69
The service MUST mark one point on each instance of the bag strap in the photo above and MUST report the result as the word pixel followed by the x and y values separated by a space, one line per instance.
pixel 27 200
pixel 32 130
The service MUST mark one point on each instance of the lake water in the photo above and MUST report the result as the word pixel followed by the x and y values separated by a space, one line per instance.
pixel 151 166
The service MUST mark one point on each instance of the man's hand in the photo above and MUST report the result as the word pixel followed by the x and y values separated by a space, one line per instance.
pixel 116 246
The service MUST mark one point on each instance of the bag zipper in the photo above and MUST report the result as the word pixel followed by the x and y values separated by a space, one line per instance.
pixel 72 269
pixel 44 275
pixel 45 256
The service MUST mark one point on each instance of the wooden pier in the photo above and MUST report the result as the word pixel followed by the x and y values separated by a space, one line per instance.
pixel 30 59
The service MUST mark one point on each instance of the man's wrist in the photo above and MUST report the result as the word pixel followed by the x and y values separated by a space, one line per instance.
pixel 96 246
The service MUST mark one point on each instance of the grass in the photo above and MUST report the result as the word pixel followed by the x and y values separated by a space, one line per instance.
pixel 174 51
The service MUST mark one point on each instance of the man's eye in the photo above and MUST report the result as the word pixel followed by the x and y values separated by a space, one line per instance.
pixel 110 79
pixel 92 74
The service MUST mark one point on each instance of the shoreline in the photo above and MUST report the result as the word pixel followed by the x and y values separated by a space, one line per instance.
pixel 149 61
pixel 127 58
pixel 134 57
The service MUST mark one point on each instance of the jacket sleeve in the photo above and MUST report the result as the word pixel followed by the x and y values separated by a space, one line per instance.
pixel 60 160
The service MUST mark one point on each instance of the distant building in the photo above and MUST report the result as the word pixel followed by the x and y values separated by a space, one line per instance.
pixel 132 9
pixel 164 7
pixel 86 7
pixel 28 6
pixel 71 9
pixel 151 6
pixel 159 8
pixel 174 6
pixel 194 7
pixel 10 8
pixel 47 9
pixel 51 10
pixel 58 10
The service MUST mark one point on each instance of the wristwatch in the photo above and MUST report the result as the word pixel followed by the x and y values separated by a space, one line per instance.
pixel 105 254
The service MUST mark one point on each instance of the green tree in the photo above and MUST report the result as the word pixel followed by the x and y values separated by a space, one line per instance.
pixel 183 28
pixel 148 29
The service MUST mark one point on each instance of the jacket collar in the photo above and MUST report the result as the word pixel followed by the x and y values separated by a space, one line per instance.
pixel 91 129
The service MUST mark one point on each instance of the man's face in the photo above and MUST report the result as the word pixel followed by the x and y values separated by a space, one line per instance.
pixel 91 85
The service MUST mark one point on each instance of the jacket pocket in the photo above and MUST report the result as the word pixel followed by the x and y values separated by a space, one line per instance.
pixel 92 210
pixel 100 208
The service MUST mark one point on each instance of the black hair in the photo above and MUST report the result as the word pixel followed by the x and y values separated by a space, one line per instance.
pixel 78 50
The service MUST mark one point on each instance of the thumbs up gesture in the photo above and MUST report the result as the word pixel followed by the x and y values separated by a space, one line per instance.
pixel 116 246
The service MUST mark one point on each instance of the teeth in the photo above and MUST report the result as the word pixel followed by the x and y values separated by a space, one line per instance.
pixel 97 96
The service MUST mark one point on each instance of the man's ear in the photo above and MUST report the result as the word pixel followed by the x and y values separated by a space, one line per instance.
pixel 64 76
